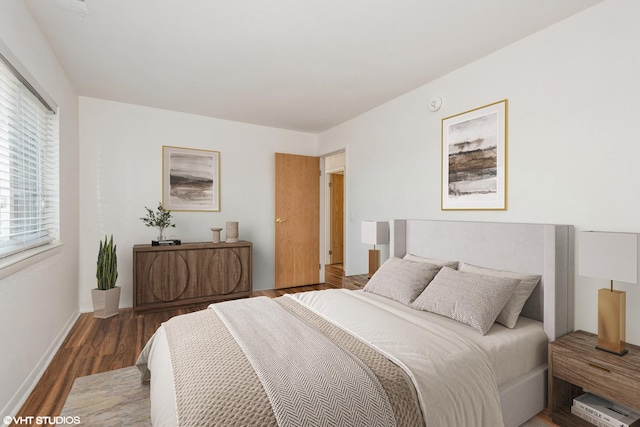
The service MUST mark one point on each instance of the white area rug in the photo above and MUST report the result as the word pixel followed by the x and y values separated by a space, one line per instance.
pixel 114 398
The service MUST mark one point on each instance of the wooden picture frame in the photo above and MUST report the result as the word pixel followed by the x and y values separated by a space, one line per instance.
pixel 190 179
pixel 474 159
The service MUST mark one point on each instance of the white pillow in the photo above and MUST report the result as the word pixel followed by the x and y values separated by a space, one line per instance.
pixel 511 311
pixel 401 280
pixel 440 262
pixel 468 298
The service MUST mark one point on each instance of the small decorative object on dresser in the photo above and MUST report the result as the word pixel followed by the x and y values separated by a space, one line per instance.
pixel 216 234
pixel 106 297
pixel 232 232
pixel 159 220
pixel 355 282
pixel 575 365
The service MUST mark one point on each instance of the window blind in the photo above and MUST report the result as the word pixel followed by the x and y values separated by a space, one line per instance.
pixel 29 194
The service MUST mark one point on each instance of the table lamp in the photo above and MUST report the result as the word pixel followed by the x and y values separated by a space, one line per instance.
pixel 612 256
pixel 374 233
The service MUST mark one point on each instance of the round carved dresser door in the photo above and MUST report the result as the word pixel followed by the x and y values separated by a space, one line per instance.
pixel 168 276
pixel 226 269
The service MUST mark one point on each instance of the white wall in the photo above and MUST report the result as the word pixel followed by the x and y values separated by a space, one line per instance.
pixel 39 304
pixel 573 102
pixel 121 169
pixel 573 92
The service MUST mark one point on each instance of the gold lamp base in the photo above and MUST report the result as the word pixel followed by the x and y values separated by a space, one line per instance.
pixel 374 261
pixel 612 321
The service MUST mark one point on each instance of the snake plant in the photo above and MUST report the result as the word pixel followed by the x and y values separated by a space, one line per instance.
pixel 107 271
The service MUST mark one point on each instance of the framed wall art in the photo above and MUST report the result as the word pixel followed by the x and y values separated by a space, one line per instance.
pixel 474 159
pixel 190 179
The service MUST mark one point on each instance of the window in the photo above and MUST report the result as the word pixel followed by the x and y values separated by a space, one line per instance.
pixel 29 194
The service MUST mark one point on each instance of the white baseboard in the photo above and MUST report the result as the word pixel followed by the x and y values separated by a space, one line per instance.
pixel 89 309
pixel 18 399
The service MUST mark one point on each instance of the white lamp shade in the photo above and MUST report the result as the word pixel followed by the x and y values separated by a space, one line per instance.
pixel 375 232
pixel 611 256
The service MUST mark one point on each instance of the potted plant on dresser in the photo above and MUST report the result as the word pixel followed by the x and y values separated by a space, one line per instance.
pixel 106 297
pixel 160 220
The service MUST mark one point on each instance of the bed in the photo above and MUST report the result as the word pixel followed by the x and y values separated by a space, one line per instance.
pixel 412 367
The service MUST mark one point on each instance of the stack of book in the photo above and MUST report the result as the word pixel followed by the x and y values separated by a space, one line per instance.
pixel 604 413
pixel 167 242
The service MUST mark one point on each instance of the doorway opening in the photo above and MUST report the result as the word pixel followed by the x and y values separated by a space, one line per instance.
pixel 334 256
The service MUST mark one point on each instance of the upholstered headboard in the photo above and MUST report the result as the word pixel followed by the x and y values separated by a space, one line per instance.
pixel 544 249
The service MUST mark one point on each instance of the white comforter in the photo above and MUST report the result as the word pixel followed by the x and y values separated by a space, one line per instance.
pixel 456 370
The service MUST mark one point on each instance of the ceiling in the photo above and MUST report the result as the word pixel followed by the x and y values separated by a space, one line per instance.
pixel 295 64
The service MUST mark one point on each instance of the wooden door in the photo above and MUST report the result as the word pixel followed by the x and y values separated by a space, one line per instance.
pixel 337 217
pixel 297 220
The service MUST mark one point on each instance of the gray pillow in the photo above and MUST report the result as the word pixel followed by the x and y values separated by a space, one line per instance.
pixel 440 262
pixel 511 311
pixel 401 280
pixel 467 298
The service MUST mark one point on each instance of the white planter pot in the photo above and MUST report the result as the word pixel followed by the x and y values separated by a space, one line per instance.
pixel 105 303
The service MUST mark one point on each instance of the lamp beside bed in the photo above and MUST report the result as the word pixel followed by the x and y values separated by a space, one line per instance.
pixel 612 256
pixel 374 233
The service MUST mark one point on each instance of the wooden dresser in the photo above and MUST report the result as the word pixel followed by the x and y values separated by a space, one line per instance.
pixel 192 273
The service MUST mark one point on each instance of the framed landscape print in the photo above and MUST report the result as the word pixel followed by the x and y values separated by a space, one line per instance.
pixel 474 159
pixel 190 179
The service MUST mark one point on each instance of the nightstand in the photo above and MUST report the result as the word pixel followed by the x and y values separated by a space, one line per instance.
pixel 576 365
pixel 355 282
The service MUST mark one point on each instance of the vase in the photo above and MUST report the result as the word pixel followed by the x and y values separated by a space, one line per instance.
pixel 232 232
pixel 216 234
pixel 160 234
pixel 105 302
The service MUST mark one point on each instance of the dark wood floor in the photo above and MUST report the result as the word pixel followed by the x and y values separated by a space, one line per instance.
pixel 100 345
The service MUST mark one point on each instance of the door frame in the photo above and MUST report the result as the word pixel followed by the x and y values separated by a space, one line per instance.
pixel 331 245
pixel 325 214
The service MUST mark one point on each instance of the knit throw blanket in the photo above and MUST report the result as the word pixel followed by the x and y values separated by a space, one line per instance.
pixel 269 362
